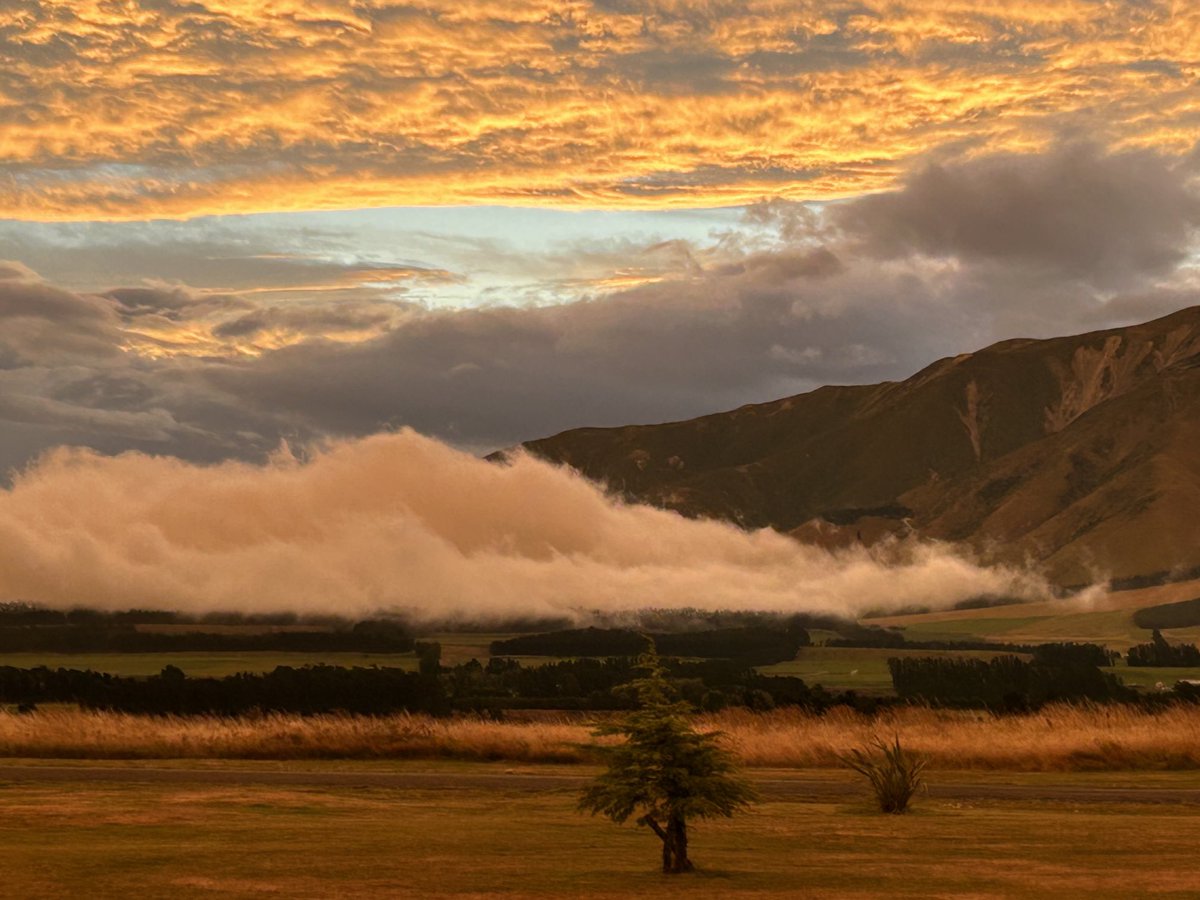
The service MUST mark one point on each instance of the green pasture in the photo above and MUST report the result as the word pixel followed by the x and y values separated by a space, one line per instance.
pixel 190 840
pixel 460 647
pixel 1113 628
pixel 1148 677
pixel 863 669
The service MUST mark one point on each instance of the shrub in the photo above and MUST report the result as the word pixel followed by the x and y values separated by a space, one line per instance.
pixel 894 774
pixel 1159 653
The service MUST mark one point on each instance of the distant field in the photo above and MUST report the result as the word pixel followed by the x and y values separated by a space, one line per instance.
pixel 1105 620
pixel 214 664
pixel 459 647
pixel 180 841
pixel 861 668
pixel 1149 677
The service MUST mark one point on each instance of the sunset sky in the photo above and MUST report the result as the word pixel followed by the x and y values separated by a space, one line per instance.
pixel 227 223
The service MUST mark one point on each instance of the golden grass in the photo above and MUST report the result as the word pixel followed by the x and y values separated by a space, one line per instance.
pixel 1059 738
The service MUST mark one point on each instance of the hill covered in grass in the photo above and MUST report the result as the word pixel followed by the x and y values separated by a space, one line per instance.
pixel 1079 453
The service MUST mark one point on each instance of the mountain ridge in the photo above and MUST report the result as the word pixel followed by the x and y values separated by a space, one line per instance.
pixel 1076 453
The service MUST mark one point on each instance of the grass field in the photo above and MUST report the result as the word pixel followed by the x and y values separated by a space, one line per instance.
pixel 177 841
pixel 1114 628
pixel 1104 619
pixel 1057 738
pixel 460 647
pixel 864 669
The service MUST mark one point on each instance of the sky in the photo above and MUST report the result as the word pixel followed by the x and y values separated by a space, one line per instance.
pixel 229 227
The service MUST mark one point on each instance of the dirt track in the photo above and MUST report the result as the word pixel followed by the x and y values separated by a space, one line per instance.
pixel 800 787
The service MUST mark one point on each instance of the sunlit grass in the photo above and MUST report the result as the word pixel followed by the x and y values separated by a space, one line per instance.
pixel 858 668
pixel 178 841
pixel 1059 738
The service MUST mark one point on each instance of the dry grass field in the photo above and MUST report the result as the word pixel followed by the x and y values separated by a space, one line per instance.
pixel 183 841
pixel 1060 738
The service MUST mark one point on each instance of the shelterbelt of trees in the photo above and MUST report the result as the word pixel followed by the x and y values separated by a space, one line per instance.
pixel 1056 673
pixel 30 629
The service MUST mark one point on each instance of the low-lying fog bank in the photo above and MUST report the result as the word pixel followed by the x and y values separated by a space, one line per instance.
pixel 403 523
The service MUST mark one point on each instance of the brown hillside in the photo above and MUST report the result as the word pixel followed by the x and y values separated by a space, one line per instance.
pixel 1079 452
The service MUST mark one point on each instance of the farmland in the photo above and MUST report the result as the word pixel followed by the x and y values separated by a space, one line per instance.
pixel 1104 619
pixel 856 668
pixel 193 837
pixel 1065 801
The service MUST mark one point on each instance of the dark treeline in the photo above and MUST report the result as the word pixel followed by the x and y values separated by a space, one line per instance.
pixel 753 645
pixel 115 639
pixel 1160 653
pixel 892 640
pixel 17 612
pixel 1057 672
pixel 758 645
pixel 24 629
pixel 601 684
pixel 307 690
pixel 588 683
pixel 1007 683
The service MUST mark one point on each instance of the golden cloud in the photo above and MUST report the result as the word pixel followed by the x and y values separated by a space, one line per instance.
pixel 124 110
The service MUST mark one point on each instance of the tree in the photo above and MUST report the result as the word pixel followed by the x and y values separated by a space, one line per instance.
pixel 665 771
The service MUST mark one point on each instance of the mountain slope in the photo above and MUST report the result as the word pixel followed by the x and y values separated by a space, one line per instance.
pixel 1080 452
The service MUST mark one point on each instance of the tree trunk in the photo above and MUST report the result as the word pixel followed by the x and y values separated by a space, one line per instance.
pixel 675 847
pixel 674 843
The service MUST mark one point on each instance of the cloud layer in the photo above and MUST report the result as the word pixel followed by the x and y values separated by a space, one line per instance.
pixel 182 107
pixel 404 523
pixel 957 256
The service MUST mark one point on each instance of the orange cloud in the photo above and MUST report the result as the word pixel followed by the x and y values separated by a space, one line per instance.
pixel 221 106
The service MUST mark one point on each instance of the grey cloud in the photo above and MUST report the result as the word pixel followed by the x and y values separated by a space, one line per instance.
pixel 209 255
pixel 42 323
pixel 1076 212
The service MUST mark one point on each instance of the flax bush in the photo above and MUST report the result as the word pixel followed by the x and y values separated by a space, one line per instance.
pixel 894 773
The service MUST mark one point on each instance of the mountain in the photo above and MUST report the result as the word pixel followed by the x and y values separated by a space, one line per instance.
pixel 1080 453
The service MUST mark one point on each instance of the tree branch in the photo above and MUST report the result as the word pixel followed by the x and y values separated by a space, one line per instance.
pixel 654 826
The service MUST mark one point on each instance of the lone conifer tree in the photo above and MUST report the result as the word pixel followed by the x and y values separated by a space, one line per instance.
pixel 665 771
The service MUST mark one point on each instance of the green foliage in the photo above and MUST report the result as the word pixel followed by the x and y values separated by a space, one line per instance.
pixel 894 774
pixel 752 645
pixel 1005 682
pixel 1160 653
pixel 1069 654
pixel 665 772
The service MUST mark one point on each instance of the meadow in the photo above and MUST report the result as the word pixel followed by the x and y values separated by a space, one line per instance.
pixel 1105 620
pixel 863 669
pixel 186 840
